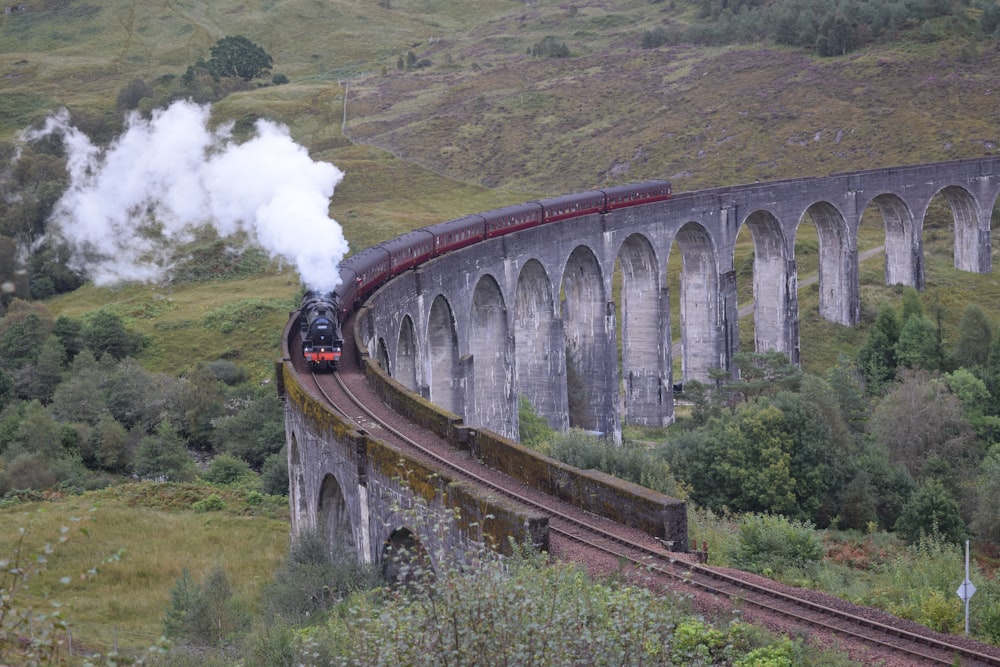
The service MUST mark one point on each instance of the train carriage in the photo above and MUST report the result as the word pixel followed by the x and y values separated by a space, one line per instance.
pixel 620 196
pixel 513 218
pixel 371 269
pixel 571 206
pixel 409 250
pixel 458 233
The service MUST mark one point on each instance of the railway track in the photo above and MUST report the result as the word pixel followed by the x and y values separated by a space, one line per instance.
pixel 856 626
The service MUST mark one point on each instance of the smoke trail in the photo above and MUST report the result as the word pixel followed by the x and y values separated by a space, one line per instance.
pixel 130 205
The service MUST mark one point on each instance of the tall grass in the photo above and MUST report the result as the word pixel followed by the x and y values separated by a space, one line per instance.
pixel 127 546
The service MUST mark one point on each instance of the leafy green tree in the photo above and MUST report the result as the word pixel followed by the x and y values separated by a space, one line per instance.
pixel 845 379
pixel 274 475
pixel 919 421
pixel 79 398
pixel 204 614
pixel 108 446
pixel 24 325
pixel 763 373
pixel 237 56
pixel 105 333
pixel 877 357
pixel 931 510
pixel 163 455
pixel 917 346
pixel 226 469
pixel 986 516
pixel 975 338
pixel 70 332
pixel 202 402
pixel 254 427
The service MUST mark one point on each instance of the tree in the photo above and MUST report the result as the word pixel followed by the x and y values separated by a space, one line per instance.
pixel 162 455
pixel 931 510
pixel 975 338
pixel 238 57
pixel 877 358
pixel 986 516
pixel 920 420
pixel 105 333
pixel 917 346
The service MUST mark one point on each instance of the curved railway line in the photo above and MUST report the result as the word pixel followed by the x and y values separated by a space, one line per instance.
pixel 881 638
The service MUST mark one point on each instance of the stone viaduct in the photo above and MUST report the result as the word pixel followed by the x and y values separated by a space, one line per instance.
pixel 461 338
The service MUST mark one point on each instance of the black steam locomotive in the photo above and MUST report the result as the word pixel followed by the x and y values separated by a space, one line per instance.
pixel 319 326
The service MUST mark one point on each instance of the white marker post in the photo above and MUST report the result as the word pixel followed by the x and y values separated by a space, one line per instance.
pixel 967 589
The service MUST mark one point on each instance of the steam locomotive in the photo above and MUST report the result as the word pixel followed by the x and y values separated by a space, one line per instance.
pixel 363 273
pixel 319 326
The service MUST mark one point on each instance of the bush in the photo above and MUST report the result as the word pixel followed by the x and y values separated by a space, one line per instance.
pixel 226 469
pixel 212 503
pixel 274 476
pixel 772 544
pixel 204 614
pixel 312 580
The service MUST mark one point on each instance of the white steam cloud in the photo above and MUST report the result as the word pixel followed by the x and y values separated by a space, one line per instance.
pixel 130 205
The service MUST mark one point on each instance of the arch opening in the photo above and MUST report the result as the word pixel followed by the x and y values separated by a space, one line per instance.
pixel 539 359
pixel 696 309
pixel 492 377
pixel 333 519
pixel 445 370
pixel 642 335
pixel 406 355
pixel 404 559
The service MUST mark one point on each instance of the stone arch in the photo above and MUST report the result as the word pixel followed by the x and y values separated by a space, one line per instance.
pixel 773 286
pixel 838 266
pixel 333 518
pixel 903 255
pixel 489 347
pixel 383 357
pixel 404 557
pixel 540 349
pixel 699 303
pixel 645 339
pixel 445 367
pixel 406 355
pixel 969 252
pixel 591 382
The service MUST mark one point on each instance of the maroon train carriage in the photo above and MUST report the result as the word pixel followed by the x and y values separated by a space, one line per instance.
pixel 513 218
pixel 371 269
pixel 571 206
pixel 458 233
pixel 620 196
pixel 409 250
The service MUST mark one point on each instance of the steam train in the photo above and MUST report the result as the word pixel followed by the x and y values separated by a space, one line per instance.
pixel 320 315
pixel 319 326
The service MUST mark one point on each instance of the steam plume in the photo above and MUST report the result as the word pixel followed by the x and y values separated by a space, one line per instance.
pixel 128 205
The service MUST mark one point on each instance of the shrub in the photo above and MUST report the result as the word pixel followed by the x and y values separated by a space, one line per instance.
pixel 773 543
pixel 204 614
pixel 312 580
pixel 212 503
pixel 226 469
